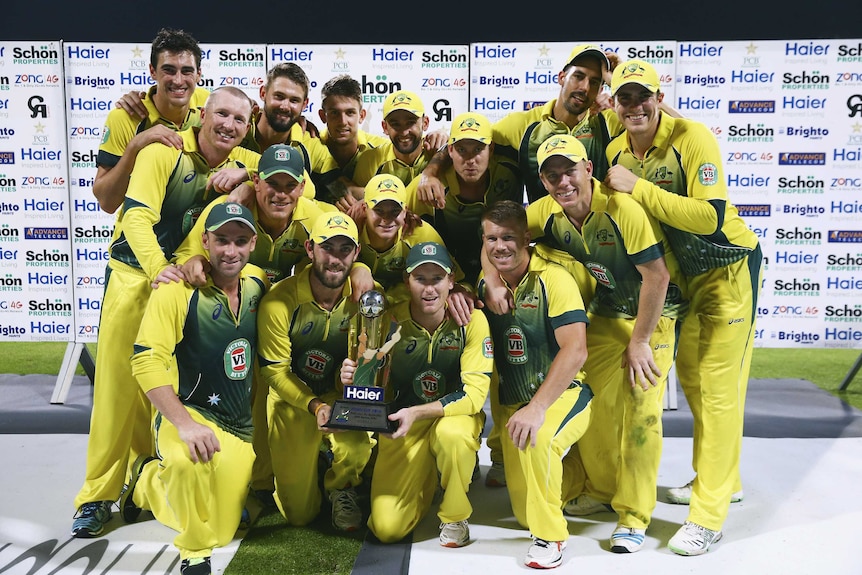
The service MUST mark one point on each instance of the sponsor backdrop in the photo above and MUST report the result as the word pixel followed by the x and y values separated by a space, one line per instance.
pixel 787 115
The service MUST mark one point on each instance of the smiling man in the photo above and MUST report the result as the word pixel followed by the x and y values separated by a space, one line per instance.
pixel 673 168
pixel 540 348
pixel 167 190
pixel 193 358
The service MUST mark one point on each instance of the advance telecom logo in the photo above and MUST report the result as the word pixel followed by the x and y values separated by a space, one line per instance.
pixel 751 106
pixel 844 237
pixel 802 159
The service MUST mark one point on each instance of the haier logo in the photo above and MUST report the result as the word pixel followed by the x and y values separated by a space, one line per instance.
pixel 749 181
pixel 287 55
pixel 801 159
pixel 842 155
pixel 96 255
pixel 497 81
pixel 800 185
pixel 845 236
pixel 91 105
pixel 703 50
pixel 751 77
pixel 542 78
pixel 36 279
pixel 754 210
pixel 130 79
pixel 698 103
pixel 751 107
pixel 85 53
pixel 46 205
pixel 810 49
pixel 40 155
pixel 803 103
pixel 391 55
pixel 843 335
pixel 493 104
pixel 497 52
pixel 89 206
pixel 844 284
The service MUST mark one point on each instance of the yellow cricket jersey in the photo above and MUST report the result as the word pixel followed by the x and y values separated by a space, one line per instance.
pixel 167 192
pixel 459 222
pixel 302 345
pixel 518 136
pixel 684 164
pixel 325 171
pixel 524 343
pixel 452 365
pixel 276 256
pixel 382 160
pixel 388 267
pixel 616 236
pixel 191 339
pixel 294 140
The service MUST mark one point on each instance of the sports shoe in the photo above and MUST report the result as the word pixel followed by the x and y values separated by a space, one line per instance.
pixel 196 566
pixel 585 505
pixel 496 476
pixel 346 515
pixel 454 534
pixel 682 495
pixel 693 539
pixel 545 554
pixel 91 518
pixel 128 509
pixel 627 539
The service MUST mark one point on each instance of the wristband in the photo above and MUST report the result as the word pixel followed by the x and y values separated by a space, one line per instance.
pixel 318 408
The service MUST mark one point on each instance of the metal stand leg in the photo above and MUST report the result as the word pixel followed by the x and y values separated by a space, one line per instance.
pixel 851 374
pixel 75 352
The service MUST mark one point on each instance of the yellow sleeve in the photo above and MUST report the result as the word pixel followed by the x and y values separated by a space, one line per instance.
pixel 639 230
pixel 538 214
pixel 274 346
pixel 153 361
pixel 367 164
pixel 119 130
pixel 143 205
pixel 698 212
pixel 565 305
pixel 477 363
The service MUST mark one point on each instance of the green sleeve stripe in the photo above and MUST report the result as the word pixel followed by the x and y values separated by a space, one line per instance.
pixel 573 316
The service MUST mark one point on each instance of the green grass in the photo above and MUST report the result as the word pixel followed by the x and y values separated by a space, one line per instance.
pixel 272 546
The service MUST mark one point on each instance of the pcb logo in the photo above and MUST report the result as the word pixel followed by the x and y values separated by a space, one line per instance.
pixel 236 359
pixel 316 363
pixel 516 345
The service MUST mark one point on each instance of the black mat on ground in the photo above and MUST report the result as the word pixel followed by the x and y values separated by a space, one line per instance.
pixel 375 558
pixel 26 405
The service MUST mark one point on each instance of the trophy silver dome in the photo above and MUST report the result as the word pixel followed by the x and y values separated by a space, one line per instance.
pixel 371 304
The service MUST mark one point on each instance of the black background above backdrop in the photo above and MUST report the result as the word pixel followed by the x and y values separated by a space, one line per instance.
pixel 430 22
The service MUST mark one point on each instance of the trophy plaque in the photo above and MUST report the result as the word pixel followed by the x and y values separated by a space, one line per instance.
pixel 364 406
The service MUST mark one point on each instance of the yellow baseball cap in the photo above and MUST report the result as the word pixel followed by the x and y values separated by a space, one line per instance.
pixel 470 126
pixel 561 145
pixel 635 72
pixel 588 50
pixel 403 100
pixel 333 224
pixel 385 187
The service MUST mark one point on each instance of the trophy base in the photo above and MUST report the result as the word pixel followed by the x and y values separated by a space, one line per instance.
pixel 361 415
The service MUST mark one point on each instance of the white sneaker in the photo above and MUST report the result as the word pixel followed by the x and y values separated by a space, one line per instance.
pixel 682 495
pixel 585 505
pixel 496 476
pixel 454 534
pixel 627 539
pixel 693 539
pixel 545 554
pixel 346 515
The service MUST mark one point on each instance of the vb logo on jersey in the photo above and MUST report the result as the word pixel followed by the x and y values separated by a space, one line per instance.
pixel 516 345
pixel 707 174
pixel 488 348
pixel 189 218
pixel 602 274
pixel 429 385
pixel 315 364
pixel 236 359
